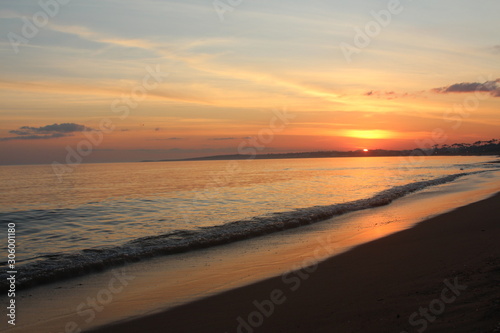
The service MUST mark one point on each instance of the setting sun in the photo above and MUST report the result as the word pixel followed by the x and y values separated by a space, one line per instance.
pixel 365 150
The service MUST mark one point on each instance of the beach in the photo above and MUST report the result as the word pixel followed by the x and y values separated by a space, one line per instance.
pixel 441 275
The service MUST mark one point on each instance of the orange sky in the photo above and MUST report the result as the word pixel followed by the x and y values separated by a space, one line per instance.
pixel 173 80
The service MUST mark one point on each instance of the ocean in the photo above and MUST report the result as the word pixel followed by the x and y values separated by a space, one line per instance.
pixel 105 215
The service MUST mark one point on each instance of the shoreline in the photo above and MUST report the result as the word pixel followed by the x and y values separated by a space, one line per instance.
pixel 321 154
pixel 374 287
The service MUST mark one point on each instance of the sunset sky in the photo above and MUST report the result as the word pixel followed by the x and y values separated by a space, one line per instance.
pixel 175 79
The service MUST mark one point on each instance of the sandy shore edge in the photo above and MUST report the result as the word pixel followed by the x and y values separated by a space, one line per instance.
pixel 440 276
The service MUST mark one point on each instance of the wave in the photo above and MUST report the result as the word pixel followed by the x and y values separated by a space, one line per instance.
pixel 52 267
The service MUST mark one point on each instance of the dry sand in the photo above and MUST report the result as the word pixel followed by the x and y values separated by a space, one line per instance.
pixel 442 275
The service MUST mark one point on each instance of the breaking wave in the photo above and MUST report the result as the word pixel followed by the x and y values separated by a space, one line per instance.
pixel 51 267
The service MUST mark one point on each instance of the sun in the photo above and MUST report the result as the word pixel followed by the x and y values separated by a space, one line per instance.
pixel 365 150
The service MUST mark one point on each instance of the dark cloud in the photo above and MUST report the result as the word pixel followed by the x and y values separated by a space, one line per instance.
pixel 19 132
pixel 55 128
pixel 53 131
pixel 492 87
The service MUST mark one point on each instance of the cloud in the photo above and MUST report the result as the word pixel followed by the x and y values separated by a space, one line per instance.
pixel 54 128
pixel 492 87
pixel 18 132
pixel 103 88
pixel 221 139
pixel 35 137
pixel 384 94
pixel 170 139
pixel 53 131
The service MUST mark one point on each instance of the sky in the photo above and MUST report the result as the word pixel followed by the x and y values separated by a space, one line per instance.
pixel 120 80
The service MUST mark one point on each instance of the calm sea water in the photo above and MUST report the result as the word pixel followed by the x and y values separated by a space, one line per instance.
pixel 103 214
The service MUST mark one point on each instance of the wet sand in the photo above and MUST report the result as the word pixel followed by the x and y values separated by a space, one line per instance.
pixel 439 276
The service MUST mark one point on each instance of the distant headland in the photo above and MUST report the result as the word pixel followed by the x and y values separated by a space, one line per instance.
pixel 479 148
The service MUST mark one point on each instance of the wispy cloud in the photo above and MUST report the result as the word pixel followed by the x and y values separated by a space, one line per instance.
pixel 385 94
pixel 106 89
pixel 170 139
pixel 35 137
pixel 492 87
pixel 88 34
pixel 222 139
